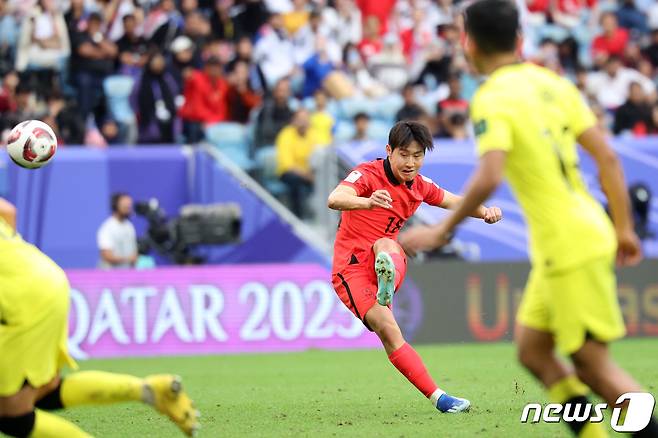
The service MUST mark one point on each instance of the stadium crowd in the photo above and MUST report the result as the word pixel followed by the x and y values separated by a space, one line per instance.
pixel 297 74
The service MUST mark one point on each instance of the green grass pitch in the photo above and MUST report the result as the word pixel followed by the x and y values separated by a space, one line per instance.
pixel 347 393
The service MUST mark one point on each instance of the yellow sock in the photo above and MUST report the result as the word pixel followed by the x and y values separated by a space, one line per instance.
pixel 567 388
pixel 99 387
pixel 570 387
pixel 47 425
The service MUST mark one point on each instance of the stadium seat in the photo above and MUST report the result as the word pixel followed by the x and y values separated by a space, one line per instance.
pixel 118 89
pixel 378 130
pixel 231 139
pixel 386 107
pixel 266 162
pixel 343 131
pixel 354 105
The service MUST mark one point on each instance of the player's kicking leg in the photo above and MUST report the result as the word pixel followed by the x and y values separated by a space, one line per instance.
pixel 390 268
pixel 408 362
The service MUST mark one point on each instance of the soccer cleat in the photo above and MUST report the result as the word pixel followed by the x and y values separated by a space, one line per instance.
pixel 165 393
pixel 385 270
pixel 451 405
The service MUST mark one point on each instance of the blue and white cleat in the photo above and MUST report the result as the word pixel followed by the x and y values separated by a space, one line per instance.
pixel 385 270
pixel 452 405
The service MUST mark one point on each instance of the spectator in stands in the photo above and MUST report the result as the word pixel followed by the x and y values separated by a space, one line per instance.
pixel 8 92
pixel 274 115
pixel 9 30
pixel 630 17
pixel 651 51
pixel 379 9
pixel 610 87
pixel 242 99
pixel 205 93
pixel 116 237
pixel 43 45
pixel 244 50
pixel 411 110
pixel 613 40
pixel 322 123
pixel 26 108
pixel 634 116
pixel 359 75
pixel 76 18
pixel 317 68
pixel 117 10
pixel 294 146
pixel 65 119
pixel 274 52
pixel 183 61
pixel 93 60
pixel 371 44
pixel 452 111
pixel 163 24
pixel 389 66
pixel 437 66
pixel 156 107
pixel 342 24
pixel 311 40
pixel 223 25
pixel 418 36
pixel 361 123
pixel 297 18
pixel 132 48
pixel 197 28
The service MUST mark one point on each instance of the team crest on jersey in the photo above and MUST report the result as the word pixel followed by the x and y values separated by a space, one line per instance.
pixel 480 127
pixel 353 177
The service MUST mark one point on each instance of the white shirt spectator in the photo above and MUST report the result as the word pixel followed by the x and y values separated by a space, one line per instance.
pixel 611 92
pixel 275 55
pixel 342 28
pixel 652 22
pixel 120 238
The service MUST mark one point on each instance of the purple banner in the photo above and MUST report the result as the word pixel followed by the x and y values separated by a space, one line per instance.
pixel 209 310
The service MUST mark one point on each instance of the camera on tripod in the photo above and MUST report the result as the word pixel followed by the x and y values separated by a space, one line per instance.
pixel 196 225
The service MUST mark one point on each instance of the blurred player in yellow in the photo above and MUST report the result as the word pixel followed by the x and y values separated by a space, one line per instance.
pixel 527 121
pixel 34 304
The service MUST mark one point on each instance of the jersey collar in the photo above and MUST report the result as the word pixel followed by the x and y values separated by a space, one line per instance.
pixel 391 177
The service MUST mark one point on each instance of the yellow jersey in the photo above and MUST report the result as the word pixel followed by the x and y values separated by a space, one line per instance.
pixel 322 123
pixel 535 116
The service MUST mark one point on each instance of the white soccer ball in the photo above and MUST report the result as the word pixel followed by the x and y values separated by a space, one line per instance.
pixel 32 144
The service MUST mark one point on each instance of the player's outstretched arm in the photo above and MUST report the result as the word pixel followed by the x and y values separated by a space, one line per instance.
pixel 484 181
pixel 611 176
pixel 8 213
pixel 490 215
pixel 345 198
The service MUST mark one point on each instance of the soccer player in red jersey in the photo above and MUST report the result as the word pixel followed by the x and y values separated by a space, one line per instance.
pixel 376 199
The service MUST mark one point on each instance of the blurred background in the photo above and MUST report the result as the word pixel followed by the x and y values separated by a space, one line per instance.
pixel 210 132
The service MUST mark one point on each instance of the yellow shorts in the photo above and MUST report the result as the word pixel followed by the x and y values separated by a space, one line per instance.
pixel 574 304
pixel 33 325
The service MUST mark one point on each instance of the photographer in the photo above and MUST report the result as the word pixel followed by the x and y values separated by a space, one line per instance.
pixel 117 241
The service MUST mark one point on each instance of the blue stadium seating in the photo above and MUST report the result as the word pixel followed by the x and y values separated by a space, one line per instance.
pixel 266 162
pixel 117 90
pixel 232 140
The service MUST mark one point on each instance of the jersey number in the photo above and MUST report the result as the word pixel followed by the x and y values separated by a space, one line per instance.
pixel 390 228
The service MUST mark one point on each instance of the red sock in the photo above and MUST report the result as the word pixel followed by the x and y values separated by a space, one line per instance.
pixel 400 267
pixel 409 363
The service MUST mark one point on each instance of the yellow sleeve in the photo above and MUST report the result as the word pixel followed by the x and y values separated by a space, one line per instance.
pixel 492 126
pixel 285 159
pixel 581 116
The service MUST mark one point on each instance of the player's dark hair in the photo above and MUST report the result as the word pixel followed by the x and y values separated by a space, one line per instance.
pixel 493 25
pixel 114 200
pixel 361 115
pixel 403 133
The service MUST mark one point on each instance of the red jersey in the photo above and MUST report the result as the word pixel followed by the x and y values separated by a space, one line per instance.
pixel 359 229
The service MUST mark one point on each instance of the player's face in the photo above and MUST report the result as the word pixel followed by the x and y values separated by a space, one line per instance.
pixel 406 162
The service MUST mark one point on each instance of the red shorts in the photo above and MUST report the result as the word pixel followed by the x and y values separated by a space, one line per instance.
pixel 356 283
